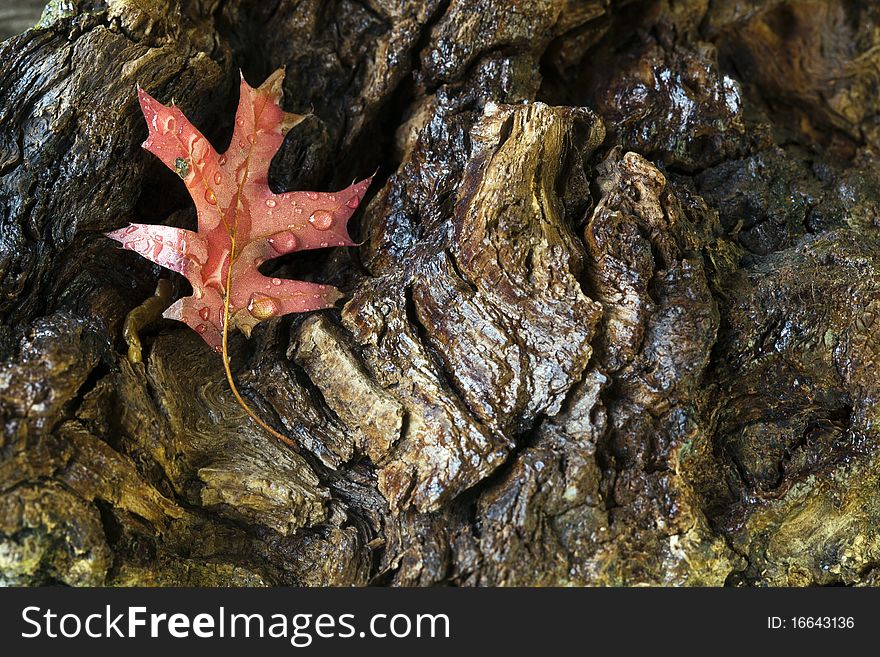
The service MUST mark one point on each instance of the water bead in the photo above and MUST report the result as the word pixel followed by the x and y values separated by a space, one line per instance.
pixel 217 178
pixel 204 313
pixel 353 202
pixel 312 195
pixel 210 197
pixel 270 202
pixel 263 306
pixel 321 219
pixel 283 242
pixel 199 148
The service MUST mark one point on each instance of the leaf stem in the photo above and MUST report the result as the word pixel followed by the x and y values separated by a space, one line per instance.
pixel 225 354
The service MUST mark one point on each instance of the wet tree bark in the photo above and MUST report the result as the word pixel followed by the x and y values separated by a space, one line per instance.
pixel 612 322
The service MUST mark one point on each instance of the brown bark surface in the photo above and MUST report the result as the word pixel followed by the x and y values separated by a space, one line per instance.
pixel 612 322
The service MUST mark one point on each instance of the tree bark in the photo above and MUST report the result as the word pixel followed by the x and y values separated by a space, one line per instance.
pixel 612 321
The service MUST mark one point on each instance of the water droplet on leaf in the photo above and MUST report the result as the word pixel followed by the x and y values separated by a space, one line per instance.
pixel 198 148
pixel 321 219
pixel 283 242
pixel 263 306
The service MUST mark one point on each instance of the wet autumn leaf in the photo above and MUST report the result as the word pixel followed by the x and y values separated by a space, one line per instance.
pixel 241 222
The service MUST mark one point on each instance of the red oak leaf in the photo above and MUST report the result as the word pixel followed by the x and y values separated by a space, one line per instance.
pixel 241 222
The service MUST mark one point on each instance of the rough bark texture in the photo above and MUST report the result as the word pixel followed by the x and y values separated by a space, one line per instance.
pixel 614 320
